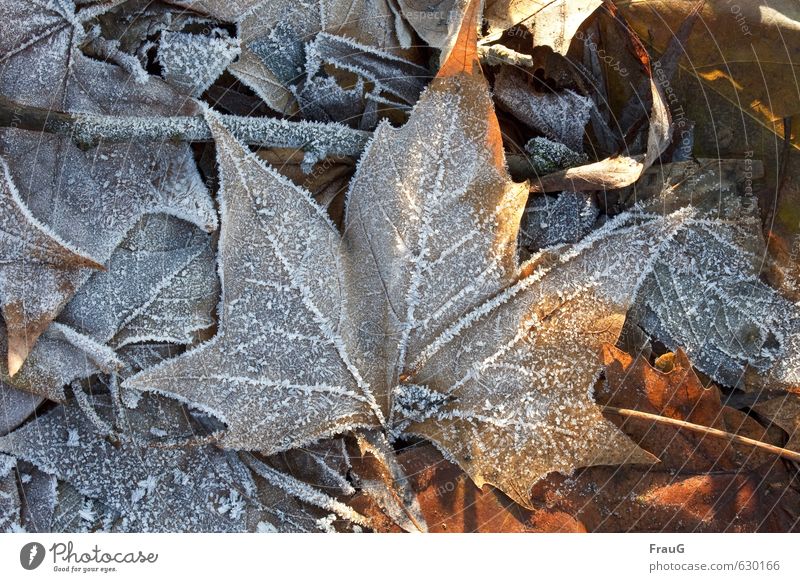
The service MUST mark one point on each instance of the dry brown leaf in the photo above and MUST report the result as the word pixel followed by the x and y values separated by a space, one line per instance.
pixel 785 412
pixel 550 23
pixel 633 383
pixel 746 51
pixel 604 499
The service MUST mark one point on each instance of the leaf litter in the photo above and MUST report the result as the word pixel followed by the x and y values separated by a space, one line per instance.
pixel 420 344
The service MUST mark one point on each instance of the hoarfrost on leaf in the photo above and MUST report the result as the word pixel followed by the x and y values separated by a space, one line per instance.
pixel 135 477
pixel 192 62
pixel 318 331
pixel 91 198
pixel 560 116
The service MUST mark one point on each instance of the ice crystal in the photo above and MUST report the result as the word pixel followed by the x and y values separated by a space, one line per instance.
pixel 9 496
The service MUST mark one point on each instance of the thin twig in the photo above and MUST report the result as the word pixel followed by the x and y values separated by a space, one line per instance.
pixel 698 428
pixel 319 139
pixel 498 54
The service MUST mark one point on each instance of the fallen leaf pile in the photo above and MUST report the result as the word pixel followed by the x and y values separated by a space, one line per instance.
pixel 514 301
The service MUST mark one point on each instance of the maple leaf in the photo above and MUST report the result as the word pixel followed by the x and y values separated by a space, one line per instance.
pixel 76 195
pixel 417 319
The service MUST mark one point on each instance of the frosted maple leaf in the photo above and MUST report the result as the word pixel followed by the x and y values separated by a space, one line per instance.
pixel 417 319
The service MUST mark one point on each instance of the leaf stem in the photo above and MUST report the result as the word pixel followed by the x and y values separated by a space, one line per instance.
pixel 698 428
pixel 320 140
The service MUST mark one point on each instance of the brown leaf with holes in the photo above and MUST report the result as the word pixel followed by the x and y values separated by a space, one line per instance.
pixel 679 394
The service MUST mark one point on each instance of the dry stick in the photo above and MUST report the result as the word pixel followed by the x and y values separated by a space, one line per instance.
pixel 319 139
pixel 698 428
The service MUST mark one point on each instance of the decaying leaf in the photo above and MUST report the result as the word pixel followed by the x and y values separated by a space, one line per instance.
pixel 679 394
pixel 747 52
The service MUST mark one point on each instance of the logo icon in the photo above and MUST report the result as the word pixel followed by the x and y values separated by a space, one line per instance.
pixel 31 555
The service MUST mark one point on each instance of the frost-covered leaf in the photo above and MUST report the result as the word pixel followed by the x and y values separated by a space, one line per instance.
pixel 15 407
pixel 160 285
pixel 39 497
pixel 418 318
pixel 390 74
pixel 308 494
pixel 322 98
pixel 154 488
pixel 192 62
pixel 61 355
pixel 9 496
pixel 705 297
pixel 278 350
pixel 705 294
pixel 560 116
pixel 88 198
pixel 547 156
pixel 33 260
pixel 75 512
pixel 565 218
pixel 273 35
